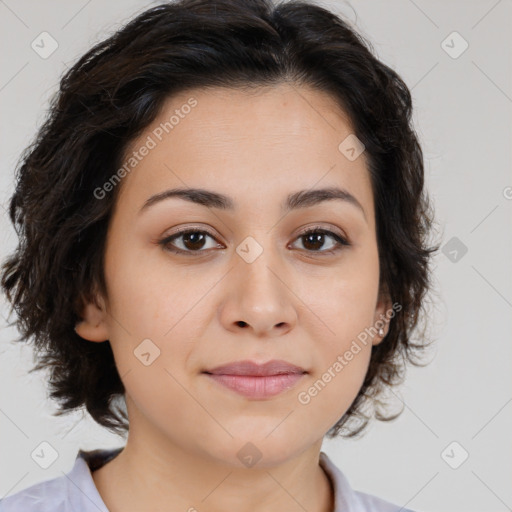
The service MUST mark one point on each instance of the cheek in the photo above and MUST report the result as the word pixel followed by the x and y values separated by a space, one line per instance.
pixel 342 304
pixel 341 365
pixel 346 312
pixel 158 316
pixel 158 395
pixel 149 297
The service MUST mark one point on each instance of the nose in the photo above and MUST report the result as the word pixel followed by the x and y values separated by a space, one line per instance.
pixel 258 298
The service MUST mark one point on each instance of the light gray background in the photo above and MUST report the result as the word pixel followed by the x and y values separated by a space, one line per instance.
pixel 462 114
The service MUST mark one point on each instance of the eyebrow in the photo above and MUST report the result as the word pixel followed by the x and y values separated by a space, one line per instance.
pixel 294 201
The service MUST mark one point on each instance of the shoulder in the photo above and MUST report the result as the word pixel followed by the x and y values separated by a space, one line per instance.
pixel 50 495
pixel 350 500
pixel 369 502
pixel 72 491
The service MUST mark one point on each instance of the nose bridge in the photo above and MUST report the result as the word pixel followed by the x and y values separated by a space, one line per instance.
pixel 260 267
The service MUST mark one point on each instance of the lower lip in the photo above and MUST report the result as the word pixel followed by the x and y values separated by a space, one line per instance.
pixel 258 387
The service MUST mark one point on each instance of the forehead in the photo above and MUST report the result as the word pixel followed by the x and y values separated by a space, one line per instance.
pixel 249 144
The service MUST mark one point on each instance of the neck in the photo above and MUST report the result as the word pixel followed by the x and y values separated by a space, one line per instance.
pixel 146 477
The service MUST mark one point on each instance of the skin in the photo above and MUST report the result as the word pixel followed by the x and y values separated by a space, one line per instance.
pixel 297 304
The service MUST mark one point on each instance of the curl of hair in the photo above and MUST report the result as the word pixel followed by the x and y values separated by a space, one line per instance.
pixel 117 89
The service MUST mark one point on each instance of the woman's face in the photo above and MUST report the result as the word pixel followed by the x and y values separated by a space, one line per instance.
pixel 246 284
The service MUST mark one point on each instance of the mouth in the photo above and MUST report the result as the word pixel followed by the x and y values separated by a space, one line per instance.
pixel 257 381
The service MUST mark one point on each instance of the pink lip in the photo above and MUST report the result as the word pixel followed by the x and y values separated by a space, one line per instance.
pixel 257 381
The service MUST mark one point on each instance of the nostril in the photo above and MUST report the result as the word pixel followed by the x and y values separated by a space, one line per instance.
pixel 241 323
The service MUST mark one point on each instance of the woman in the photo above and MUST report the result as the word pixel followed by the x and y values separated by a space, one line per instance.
pixel 222 223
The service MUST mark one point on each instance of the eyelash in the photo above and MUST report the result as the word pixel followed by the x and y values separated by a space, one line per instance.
pixel 165 242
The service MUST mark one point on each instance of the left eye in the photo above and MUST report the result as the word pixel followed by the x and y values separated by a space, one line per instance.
pixel 316 237
pixel 194 241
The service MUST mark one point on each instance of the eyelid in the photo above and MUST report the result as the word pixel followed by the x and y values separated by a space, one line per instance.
pixel 186 229
pixel 316 227
pixel 300 233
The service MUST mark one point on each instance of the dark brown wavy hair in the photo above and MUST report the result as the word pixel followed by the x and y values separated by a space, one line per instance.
pixel 116 90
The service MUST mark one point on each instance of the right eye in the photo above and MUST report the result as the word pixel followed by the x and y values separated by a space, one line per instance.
pixel 193 241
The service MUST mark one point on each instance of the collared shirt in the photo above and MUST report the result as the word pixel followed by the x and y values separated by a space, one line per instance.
pixel 76 492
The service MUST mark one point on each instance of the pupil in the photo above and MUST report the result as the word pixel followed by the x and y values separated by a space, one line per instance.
pixel 312 237
pixel 190 243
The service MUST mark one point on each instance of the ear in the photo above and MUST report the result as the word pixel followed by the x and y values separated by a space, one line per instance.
pixel 93 326
pixel 381 319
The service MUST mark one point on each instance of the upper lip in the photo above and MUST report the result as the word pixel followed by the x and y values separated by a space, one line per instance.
pixel 274 367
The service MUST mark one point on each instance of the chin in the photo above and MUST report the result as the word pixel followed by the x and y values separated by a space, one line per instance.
pixel 253 447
